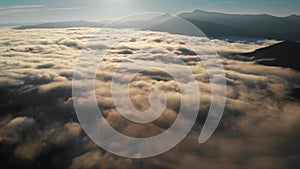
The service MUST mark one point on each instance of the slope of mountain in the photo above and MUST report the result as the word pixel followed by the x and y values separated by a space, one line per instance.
pixel 293 18
pixel 284 54
pixel 217 29
pixel 68 24
pixel 264 26
pixel 9 25
pixel 142 24
pixel 211 23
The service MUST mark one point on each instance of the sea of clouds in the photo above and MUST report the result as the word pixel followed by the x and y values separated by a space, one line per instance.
pixel 39 128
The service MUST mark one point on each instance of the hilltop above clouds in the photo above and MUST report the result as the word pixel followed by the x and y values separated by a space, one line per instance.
pixel 284 54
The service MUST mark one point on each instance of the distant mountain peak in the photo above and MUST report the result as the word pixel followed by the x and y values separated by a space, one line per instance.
pixel 165 15
pixel 198 10
pixel 293 15
pixel 249 25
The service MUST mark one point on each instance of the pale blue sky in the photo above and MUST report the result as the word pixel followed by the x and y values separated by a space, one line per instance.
pixel 96 10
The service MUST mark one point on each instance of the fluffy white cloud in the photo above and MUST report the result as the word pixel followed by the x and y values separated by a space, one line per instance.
pixel 258 130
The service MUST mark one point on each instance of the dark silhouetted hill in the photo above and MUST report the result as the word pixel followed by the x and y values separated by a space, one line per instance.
pixel 284 54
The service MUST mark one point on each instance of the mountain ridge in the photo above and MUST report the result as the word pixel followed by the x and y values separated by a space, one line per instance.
pixel 213 24
pixel 284 54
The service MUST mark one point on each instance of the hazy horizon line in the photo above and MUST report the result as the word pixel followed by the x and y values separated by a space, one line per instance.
pixel 190 11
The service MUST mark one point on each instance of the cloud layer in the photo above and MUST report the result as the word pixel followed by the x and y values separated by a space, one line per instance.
pixel 38 125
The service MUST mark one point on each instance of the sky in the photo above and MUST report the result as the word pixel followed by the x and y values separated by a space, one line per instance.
pixel 24 11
